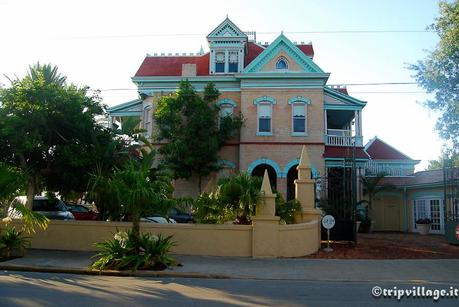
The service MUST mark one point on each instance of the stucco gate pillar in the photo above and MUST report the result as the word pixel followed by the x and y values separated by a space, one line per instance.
pixel 304 193
pixel 265 235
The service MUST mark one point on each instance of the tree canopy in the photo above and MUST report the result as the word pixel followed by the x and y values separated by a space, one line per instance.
pixel 439 163
pixel 48 131
pixel 438 73
pixel 190 125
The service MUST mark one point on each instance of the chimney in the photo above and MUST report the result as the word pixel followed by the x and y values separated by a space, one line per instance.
pixel 188 70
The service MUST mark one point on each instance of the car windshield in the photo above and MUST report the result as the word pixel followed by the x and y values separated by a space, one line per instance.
pixel 48 205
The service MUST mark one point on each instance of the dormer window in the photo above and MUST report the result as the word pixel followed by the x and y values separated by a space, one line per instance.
pixel 233 61
pixel 282 64
pixel 220 62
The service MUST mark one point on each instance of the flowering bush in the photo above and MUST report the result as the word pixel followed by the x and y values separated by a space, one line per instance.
pixel 423 221
pixel 119 253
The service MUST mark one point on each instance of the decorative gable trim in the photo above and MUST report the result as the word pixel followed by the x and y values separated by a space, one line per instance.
pixel 225 28
pixel 298 99
pixel 265 99
pixel 283 43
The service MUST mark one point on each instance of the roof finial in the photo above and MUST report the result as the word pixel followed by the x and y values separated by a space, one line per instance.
pixel 227 16
pixel 201 51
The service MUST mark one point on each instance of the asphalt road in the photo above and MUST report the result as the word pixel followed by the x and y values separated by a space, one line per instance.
pixel 45 289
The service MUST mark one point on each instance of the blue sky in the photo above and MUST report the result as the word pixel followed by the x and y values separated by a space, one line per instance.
pixel 102 43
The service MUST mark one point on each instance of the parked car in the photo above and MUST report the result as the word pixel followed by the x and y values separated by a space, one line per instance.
pixel 54 209
pixel 158 220
pixel 81 212
pixel 180 216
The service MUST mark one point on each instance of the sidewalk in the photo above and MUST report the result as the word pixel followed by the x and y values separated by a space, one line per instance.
pixel 247 268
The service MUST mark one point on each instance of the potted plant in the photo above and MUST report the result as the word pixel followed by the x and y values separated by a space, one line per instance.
pixel 423 225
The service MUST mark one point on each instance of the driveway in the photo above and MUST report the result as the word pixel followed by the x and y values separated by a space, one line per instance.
pixel 393 245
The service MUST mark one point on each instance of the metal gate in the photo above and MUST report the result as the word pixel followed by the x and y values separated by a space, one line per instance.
pixel 451 204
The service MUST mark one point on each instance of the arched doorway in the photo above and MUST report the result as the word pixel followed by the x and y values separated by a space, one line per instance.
pixel 292 174
pixel 259 171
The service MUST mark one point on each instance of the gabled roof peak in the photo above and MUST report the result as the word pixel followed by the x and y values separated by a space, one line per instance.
pixel 283 43
pixel 227 29
pixel 380 150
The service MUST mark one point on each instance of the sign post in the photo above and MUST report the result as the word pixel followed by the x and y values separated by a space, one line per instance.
pixel 328 222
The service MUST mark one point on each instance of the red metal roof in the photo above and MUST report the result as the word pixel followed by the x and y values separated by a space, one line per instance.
pixel 344 152
pixel 253 50
pixel 172 65
pixel 307 49
pixel 379 150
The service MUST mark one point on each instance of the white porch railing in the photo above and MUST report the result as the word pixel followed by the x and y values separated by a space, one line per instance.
pixel 338 137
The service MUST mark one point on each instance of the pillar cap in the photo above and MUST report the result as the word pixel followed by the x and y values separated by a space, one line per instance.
pixel 266 186
pixel 304 159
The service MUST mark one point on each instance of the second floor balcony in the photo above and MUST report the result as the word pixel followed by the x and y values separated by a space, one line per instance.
pixel 340 137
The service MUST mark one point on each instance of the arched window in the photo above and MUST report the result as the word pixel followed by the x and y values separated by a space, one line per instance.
pixel 282 64
pixel 226 107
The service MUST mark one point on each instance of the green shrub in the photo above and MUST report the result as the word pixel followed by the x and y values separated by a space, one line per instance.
pixel 11 241
pixel 120 253
pixel 286 209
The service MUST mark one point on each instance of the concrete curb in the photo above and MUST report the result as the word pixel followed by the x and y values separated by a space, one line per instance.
pixel 169 274
pixel 87 271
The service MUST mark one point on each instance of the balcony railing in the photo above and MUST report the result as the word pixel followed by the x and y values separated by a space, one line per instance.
pixel 338 137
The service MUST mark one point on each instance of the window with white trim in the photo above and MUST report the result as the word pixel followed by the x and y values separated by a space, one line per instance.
pixel 299 118
pixel 233 61
pixel 299 115
pixel 282 64
pixel 456 209
pixel 220 62
pixel 264 117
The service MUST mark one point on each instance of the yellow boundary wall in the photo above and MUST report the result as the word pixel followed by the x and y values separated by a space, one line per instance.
pixel 192 239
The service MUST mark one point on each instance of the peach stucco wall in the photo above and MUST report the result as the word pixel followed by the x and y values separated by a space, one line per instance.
pixel 192 239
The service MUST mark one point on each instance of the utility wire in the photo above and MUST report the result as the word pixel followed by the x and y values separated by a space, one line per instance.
pixel 265 33
pixel 341 84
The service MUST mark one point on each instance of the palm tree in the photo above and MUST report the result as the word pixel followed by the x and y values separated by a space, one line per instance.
pixel 48 72
pixel 240 193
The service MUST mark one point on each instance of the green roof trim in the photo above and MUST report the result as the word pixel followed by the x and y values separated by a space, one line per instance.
pixel 283 43
pixel 124 107
pixel 343 97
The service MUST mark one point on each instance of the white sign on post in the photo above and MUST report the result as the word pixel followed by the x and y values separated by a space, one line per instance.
pixel 328 222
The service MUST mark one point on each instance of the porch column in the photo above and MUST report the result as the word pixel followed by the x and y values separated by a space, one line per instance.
pixel 358 122
pixel 325 121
